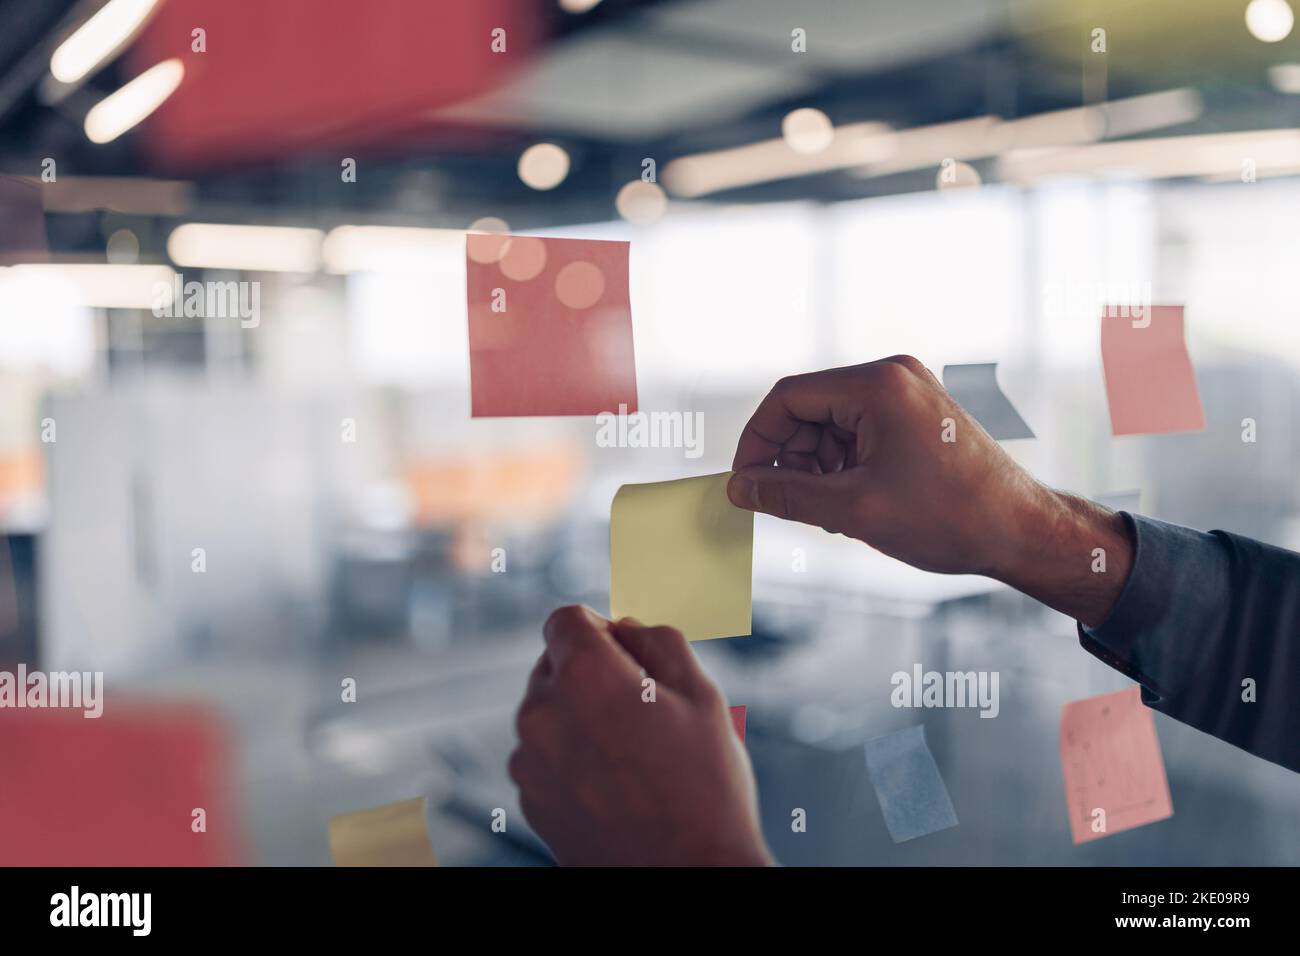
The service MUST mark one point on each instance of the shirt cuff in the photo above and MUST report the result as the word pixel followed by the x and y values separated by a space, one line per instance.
pixel 1174 602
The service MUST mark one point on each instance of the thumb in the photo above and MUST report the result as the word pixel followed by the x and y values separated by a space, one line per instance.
pixel 821 500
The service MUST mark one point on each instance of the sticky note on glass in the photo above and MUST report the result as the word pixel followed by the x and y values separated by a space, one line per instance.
pixel 550 326
pixel 22 223
pixel 120 789
pixel 1114 774
pixel 738 721
pixel 1150 385
pixel 907 782
pixel 391 835
pixel 680 553
pixel 975 387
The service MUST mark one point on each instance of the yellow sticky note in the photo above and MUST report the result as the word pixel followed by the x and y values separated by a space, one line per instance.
pixel 681 553
pixel 391 835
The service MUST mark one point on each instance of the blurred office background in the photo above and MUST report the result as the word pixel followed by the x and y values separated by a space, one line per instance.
pixel 804 185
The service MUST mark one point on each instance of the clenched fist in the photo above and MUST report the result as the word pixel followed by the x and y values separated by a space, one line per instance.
pixel 882 453
pixel 608 776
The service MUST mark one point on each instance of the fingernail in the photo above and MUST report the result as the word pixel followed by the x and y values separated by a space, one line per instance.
pixel 743 492
pixel 630 622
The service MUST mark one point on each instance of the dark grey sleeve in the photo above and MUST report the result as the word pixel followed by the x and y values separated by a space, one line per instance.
pixel 1209 625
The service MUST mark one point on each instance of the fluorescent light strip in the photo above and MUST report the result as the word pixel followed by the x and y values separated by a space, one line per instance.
pixel 1211 154
pixel 930 146
pixel 247 248
pixel 773 159
pixel 1270 172
pixel 121 110
pixel 106 286
pixel 392 249
pixel 876 151
pixel 1142 114
pixel 99 39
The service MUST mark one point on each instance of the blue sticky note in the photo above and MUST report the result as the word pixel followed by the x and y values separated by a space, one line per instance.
pixel 906 779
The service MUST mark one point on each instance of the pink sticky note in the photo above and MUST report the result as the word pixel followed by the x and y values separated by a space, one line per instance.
pixel 550 326
pixel 738 720
pixel 1111 758
pixel 22 223
pixel 1150 384
pixel 120 789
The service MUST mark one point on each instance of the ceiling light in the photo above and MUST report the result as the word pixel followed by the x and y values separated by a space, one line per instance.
pixel 98 39
pixel 773 159
pixel 1269 20
pixel 640 202
pixel 123 248
pixel 1079 126
pixel 120 111
pixel 1285 77
pixel 392 249
pixel 1209 154
pixel 807 130
pixel 543 166
pixel 251 248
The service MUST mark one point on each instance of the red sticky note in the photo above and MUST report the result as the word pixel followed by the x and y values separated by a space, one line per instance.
pixel 292 77
pixel 22 223
pixel 550 326
pixel 115 790
pixel 1150 384
pixel 1114 774
pixel 738 721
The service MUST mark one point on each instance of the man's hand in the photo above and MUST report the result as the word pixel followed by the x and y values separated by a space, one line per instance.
pixel 861 451
pixel 608 778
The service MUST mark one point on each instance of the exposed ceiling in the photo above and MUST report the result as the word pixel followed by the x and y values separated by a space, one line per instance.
pixel 666 78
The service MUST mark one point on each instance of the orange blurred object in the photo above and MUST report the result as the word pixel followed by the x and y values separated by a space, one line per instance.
pixel 21 474
pixel 532 484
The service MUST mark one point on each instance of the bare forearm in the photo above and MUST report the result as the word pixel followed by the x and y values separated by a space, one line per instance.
pixel 1069 553
pixel 882 464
